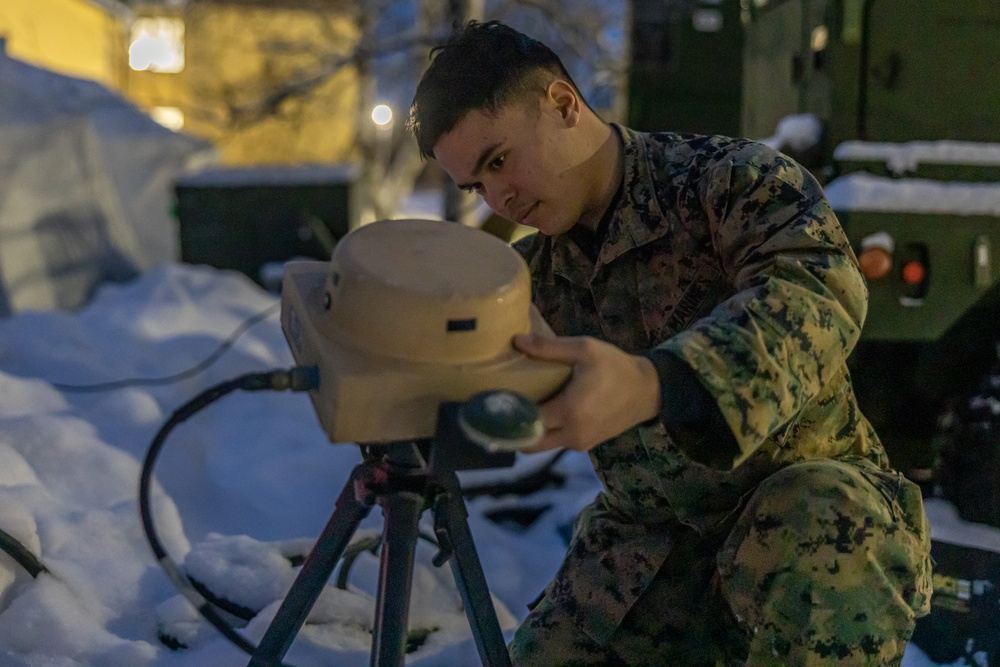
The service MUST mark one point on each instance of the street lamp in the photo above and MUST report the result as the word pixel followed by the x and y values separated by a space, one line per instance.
pixel 382 154
pixel 382 115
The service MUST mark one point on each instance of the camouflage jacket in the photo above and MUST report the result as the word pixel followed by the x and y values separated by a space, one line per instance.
pixel 726 254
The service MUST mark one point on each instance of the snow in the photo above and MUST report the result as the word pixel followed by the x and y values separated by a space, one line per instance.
pixel 88 198
pixel 861 191
pixel 797 132
pixel 906 157
pixel 428 204
pixel 423 204
pixel 243 485
pixel 946 526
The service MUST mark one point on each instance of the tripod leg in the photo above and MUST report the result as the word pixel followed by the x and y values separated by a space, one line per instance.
pixel 471 581
pixel 400 533
pixel 350 509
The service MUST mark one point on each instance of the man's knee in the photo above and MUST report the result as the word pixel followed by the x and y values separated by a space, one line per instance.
pixel 550 637
pixel 827 559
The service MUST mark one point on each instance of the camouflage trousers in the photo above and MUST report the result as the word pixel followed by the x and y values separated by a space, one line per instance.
pixel 827 563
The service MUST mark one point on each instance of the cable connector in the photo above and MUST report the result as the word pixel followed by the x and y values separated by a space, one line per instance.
pixel 298 378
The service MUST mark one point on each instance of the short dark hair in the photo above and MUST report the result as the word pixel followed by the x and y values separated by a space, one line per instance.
pixel 483 66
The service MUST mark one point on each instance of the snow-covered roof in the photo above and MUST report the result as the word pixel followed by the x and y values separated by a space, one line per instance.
pixel 900 158
pixel 861 191
pixel 270 175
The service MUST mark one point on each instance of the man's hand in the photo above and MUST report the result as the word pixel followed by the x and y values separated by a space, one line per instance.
pixel 609 391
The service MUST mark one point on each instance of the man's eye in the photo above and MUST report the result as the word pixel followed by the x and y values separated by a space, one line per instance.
pixel 497 162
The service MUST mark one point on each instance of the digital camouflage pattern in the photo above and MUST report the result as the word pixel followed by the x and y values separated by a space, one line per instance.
pixel 809 549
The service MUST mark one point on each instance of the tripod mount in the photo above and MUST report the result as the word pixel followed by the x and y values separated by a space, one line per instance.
pixel 409 326
pixel 405 478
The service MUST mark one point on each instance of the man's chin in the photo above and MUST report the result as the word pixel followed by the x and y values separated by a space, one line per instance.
pixel 550 227
pixel 537 225
pixel 543 227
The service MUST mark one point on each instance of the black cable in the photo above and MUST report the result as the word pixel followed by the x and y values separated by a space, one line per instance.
pixel 20 553
pixel 239 611
pixel 176 377
pixel 299 378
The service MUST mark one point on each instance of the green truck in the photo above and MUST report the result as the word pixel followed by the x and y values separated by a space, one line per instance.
pixel 906 99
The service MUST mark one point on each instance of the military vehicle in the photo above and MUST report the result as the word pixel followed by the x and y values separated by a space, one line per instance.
pixel 673 44
pixel 908 99
pixel 911 161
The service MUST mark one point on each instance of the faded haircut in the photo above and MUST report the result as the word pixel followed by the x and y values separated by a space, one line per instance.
pixel 483 66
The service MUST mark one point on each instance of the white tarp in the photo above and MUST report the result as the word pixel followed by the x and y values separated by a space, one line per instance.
pixel 86 188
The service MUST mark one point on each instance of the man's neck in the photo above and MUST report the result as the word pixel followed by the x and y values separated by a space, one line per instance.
pixel 607 171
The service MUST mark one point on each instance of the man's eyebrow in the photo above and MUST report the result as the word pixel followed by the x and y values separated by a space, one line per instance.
pixel 483 157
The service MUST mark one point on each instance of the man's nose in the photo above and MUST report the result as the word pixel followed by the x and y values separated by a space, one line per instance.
pixel 498 195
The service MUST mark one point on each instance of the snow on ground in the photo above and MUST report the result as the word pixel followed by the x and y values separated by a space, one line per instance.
pixel 243 485
pixel 250 478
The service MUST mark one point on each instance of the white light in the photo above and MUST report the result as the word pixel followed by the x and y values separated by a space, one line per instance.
pixel 382 114
pixel 171 118
pixel 820 37
pixel 157 45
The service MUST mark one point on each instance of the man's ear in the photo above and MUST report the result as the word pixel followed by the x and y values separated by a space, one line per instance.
pixel 564 99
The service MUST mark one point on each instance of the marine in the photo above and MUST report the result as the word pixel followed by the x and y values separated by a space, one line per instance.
pixel 707 299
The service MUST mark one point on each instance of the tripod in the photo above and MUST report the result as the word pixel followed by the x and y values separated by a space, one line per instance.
pixel 404 478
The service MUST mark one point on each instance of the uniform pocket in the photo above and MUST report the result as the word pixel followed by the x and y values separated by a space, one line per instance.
pixel 888 483
pixel 906 504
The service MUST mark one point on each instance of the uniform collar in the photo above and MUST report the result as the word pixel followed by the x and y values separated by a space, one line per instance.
pixel 635 221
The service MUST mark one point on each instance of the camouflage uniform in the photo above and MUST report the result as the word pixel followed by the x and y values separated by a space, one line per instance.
pixel 808 548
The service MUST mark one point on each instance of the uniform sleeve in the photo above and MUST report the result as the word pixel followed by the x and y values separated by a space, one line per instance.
pixel 799 301
pixel 690 413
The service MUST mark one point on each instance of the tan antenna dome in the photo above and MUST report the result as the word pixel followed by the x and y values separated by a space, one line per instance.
pixel 408 314
pixel 426 291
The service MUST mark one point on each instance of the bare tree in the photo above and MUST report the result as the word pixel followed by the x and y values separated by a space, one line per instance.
pixel 389 50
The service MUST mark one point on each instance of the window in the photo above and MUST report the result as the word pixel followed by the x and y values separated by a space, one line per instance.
pixel 157 45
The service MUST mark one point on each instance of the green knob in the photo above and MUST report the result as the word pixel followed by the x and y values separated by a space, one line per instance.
pixel 501 421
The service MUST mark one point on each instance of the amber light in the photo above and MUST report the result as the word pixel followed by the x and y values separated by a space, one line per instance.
pixel 876 262
pixel 914 273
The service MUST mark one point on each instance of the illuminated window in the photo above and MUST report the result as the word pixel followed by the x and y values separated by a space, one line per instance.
pixel 171 118
pixel 157 45
pixel 820 38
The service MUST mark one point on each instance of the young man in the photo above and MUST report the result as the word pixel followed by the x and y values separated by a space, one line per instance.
pixel 707 299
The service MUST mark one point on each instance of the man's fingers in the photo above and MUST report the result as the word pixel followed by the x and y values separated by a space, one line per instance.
pixel 551 348
pixel 551 414
pixel 548 442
